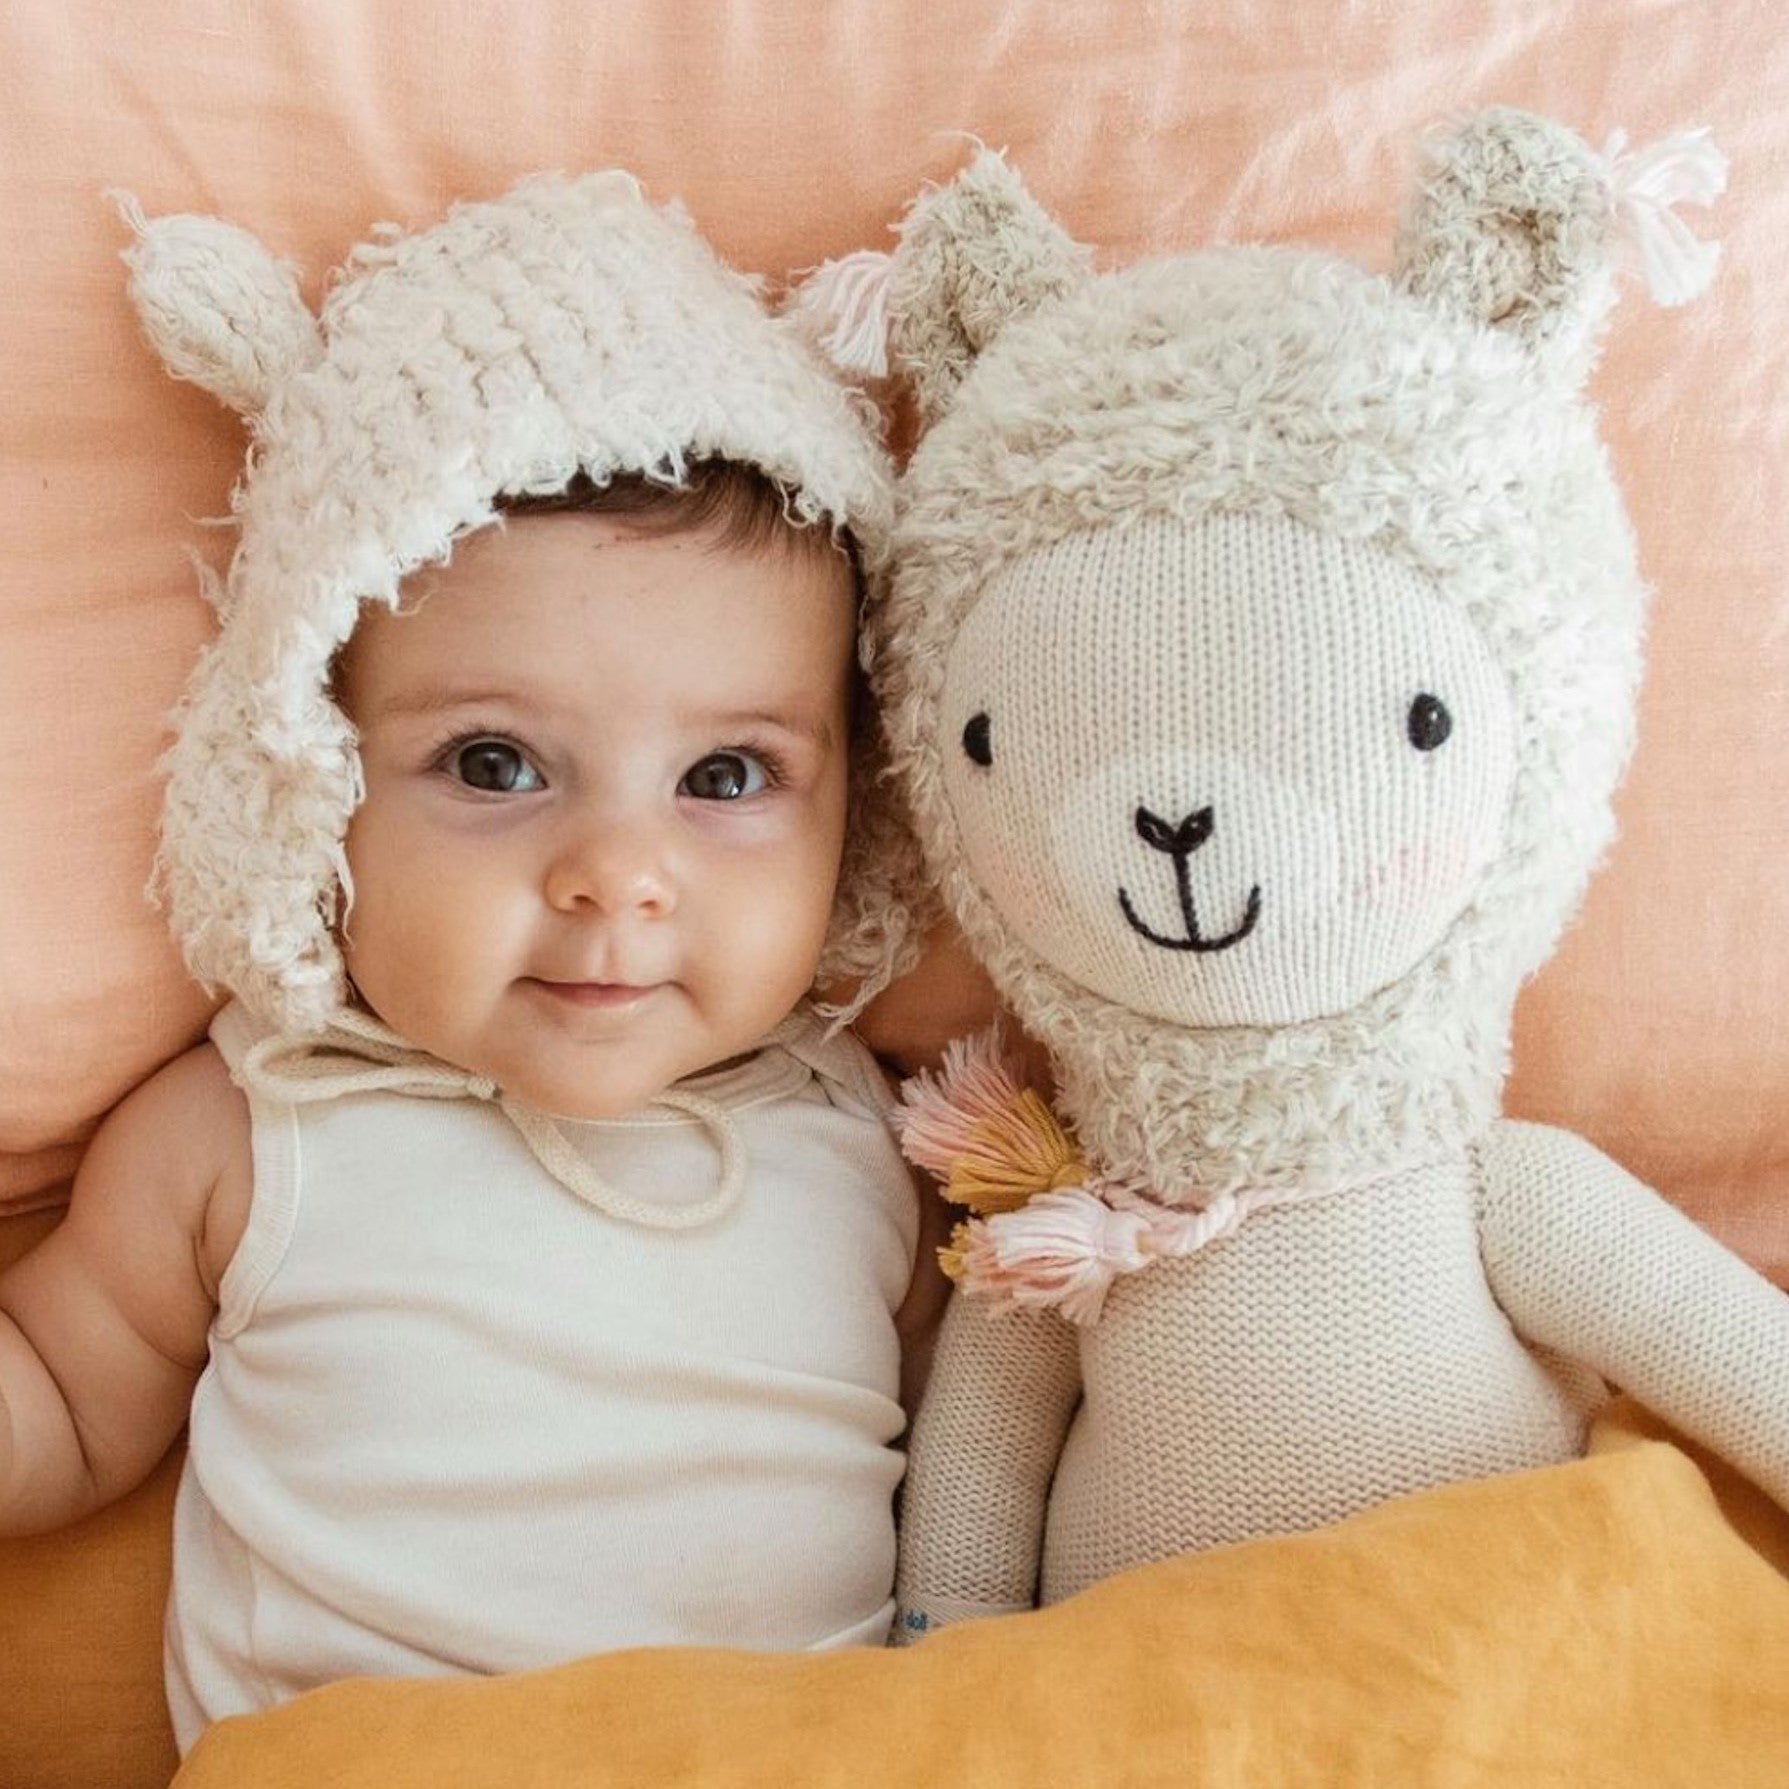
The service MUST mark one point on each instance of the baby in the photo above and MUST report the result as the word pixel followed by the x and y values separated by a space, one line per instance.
pixel 528 1252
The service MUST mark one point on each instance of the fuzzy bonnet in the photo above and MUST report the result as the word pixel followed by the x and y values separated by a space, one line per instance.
pixel 568 326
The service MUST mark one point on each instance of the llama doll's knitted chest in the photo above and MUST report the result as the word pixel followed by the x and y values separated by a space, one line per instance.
pixel 1324 1357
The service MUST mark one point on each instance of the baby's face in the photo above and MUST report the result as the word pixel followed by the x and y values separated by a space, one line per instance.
pixel 605 803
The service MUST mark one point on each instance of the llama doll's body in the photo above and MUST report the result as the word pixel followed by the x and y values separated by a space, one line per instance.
pixel 1258 661
pixel 1328 1356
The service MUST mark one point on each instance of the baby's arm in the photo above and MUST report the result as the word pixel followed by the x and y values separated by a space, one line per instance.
pixel 1003 1389
pixel 1589 1262
pixel 103 1326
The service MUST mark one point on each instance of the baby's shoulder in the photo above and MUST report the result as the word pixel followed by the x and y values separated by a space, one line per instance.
pixel 191 1121
pixel 190 1104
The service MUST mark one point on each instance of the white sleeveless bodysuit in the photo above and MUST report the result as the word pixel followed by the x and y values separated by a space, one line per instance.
pixel 456 1419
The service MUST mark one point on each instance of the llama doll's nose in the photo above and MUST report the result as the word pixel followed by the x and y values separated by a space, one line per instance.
pixel 1177 838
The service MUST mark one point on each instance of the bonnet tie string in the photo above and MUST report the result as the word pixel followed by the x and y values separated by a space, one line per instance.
pixel 359 1055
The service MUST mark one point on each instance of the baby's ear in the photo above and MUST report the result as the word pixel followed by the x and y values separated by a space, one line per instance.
pixel 974 255
pixel 216 306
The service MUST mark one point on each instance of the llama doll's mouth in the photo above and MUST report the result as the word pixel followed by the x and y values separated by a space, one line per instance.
pixel 1178 840
pixel 1194 939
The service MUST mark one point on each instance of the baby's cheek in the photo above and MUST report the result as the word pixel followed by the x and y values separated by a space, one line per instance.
pixel 765 917
pixel 421 900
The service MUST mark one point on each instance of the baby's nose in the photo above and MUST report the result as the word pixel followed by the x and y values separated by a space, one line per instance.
pixel 612 867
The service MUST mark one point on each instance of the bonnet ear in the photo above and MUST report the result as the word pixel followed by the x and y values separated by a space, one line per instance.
pixel 974 255
pixel 217 307
pixel 1516 224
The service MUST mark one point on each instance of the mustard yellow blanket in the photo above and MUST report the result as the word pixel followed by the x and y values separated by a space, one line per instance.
pixel 1608 1622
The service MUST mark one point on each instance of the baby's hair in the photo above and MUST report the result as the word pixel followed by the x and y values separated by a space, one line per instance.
pixel 737 505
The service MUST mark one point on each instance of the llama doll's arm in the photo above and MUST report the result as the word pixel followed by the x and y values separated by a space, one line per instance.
pixel 1003 1389
pixel 1589 1262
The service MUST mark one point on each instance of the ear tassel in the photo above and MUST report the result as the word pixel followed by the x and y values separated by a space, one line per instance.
pixel 842 309
pixel 1687 168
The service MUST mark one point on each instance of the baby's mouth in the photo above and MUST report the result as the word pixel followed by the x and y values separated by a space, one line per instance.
pixel 603 996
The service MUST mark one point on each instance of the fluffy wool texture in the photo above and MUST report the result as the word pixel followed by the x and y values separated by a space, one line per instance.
pixel 568 326
pixel 1259 657
pixel 1289 385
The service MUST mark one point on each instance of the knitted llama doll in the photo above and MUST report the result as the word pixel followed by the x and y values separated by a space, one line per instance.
pixel 1258 661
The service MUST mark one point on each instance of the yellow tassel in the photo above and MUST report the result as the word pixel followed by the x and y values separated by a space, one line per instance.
pixel 950 1258
pixel 1013 1154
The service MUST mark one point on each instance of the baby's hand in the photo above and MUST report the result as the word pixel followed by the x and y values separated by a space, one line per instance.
pixel 103 1326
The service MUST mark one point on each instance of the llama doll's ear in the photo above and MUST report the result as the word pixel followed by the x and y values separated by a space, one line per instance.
pixel 217 307
pixel 1518 225
pixel 974 255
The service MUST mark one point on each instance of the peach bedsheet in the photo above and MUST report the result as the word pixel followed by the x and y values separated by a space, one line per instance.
pixel 795 129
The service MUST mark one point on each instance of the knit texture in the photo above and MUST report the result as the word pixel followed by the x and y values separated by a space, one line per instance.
pixel 1589 1262
pixel 1225 1397
pixel 1258 658
pixel 1486 1298
pixel 1315 824
pixel 569 326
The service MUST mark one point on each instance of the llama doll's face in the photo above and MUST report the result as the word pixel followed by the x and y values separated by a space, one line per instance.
pixel 1228 772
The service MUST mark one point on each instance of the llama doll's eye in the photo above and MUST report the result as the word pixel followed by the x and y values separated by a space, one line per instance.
pixel 1428 723
pixel 976 741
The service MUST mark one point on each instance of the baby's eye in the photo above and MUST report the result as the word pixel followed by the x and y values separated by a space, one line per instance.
pixel 496 766
pixel 724 776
